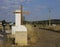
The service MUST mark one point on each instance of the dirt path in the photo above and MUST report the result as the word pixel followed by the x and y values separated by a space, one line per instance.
pixel 47 38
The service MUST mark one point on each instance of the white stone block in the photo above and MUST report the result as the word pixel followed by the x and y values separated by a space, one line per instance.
pixel 18 28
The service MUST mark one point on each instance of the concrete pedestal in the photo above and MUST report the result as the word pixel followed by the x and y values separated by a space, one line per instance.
pixel 19 31
pixel 20 34
pixel 21 38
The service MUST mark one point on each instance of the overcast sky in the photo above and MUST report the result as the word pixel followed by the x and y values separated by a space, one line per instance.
pixel 39 9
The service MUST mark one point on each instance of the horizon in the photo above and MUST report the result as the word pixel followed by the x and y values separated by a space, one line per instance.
pixel 39 9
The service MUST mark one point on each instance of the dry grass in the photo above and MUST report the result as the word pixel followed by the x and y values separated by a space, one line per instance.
pixel 39 38
pixel 43 38
pixel 32 37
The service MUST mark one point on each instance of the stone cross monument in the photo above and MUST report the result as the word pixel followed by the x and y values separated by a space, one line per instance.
pixel 19 31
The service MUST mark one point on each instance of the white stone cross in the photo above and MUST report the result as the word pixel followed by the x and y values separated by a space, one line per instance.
pixel 18 21
pixel 19 31
pixel 18 16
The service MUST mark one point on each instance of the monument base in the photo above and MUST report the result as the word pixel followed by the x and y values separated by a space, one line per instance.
pixel 21 38
pixel 20 34
pixel 18 28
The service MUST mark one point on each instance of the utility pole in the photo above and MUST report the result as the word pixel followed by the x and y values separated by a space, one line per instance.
pixel 49 22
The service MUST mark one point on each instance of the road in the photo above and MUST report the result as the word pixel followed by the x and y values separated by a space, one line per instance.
pixel 47 38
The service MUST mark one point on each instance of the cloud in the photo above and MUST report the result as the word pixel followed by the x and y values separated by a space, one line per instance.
pixel 25 0
pixel 39 8
pixel 22 0
pixel 4 7
pixel 28 1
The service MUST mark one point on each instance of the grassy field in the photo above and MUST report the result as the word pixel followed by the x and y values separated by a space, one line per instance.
pixel 37 38
pixel 43 38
